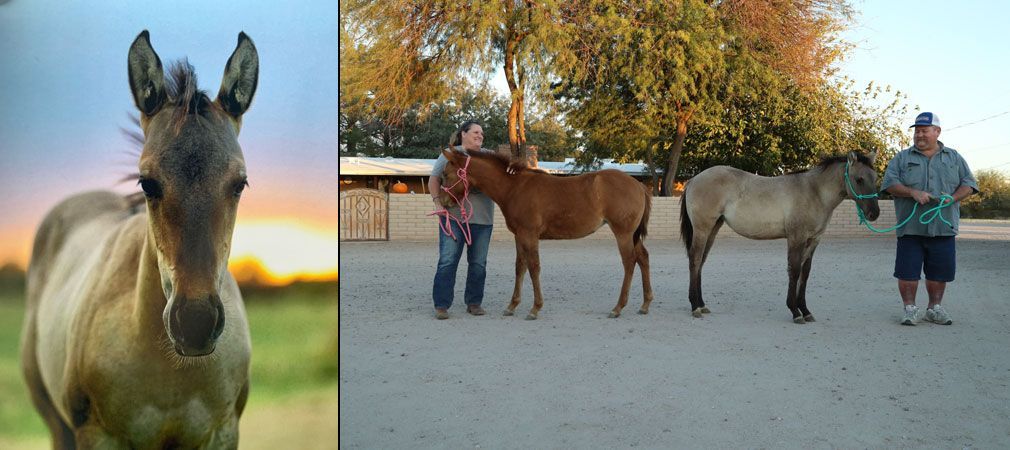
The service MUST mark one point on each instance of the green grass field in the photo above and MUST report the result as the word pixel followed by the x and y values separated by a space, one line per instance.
pixel 294 364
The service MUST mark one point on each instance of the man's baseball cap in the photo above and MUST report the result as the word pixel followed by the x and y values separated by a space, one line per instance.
pixel 926 119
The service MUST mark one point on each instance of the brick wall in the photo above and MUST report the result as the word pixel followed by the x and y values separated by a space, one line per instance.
pixel 408 220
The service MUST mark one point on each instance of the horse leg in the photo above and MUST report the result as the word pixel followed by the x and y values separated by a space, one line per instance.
pixel 642 257
pixel 696 259
pixel 533 265
pixel 801 292
pixel 517 292
pixel 708 247
pixel 795 262
pixel 628 258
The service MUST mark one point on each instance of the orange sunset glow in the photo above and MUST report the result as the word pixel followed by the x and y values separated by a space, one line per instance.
pixel 279 251
pixel 264 251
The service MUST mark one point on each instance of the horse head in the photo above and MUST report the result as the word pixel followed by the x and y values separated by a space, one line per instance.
pixel 456 177
pixel 861 183
pixel 192 173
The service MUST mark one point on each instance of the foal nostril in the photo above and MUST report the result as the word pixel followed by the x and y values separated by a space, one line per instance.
pixel 196 324
pixel 873 213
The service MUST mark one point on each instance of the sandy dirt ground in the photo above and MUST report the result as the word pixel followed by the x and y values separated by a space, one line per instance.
pixel 744 376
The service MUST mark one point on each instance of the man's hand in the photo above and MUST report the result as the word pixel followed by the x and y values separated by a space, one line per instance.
pixel 921 197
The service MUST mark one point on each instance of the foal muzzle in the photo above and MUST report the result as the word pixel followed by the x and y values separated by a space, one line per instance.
pixel 193 325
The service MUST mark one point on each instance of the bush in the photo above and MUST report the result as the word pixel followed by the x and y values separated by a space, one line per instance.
pixel 993 199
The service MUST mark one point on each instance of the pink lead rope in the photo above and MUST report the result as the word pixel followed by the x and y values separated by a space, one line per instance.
pixel 465 207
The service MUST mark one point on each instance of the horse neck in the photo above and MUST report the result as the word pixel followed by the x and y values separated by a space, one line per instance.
pixel 829 184
pixel 492 181
pixel 149 297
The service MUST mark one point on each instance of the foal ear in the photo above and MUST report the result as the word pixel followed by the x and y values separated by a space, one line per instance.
pixel 853 158
pixel 147 79
pixel 241 75
pixel 449 154
pixel 873 157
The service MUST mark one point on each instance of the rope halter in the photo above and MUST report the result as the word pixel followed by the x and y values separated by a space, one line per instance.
pixel 925 218
pixel 465 206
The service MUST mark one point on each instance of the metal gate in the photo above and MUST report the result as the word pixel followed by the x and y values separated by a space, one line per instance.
pixel 364 215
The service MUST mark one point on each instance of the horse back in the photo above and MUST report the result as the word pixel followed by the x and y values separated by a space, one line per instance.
pixel 574 207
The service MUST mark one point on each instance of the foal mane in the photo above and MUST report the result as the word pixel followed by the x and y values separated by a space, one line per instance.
pixel 504 161
pixel 831 160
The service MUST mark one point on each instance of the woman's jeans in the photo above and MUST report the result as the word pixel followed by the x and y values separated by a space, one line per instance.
pixel 449 252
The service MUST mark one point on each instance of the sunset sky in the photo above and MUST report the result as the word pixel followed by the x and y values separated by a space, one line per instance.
pixel 65 95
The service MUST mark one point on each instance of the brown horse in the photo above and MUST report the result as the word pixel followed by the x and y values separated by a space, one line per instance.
pixel 796 206
pixel 135 334
pixel 537 205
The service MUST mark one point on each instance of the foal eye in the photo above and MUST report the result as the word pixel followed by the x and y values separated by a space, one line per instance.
pixel 152 189
pixel 239 187
pixel 859 180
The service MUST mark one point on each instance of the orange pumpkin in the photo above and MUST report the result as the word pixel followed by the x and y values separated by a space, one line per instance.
pixel 400 187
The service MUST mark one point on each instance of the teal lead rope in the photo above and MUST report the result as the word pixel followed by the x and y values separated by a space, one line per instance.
pixel 926 217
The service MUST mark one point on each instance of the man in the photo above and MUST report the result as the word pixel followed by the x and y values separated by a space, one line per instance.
pixel 919 175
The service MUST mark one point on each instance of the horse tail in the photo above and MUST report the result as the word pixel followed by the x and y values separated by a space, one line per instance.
pixel 686 229
pixel 642 230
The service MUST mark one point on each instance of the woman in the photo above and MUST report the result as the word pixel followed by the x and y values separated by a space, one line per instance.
pixel 469 136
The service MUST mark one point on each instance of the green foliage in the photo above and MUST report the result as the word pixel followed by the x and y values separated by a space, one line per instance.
pixel 553 139
pixel 423 134
pixel 17 415
pixel 784 128
pixel 637 70
pixel 993 199
pixel 292 337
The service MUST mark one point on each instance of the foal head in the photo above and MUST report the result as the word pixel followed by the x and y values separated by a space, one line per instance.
pixel 492 167
pixel 861 183
pixel 192 173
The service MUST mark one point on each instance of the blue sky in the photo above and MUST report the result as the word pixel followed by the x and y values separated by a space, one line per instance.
pixel 949 58
pixel 64 94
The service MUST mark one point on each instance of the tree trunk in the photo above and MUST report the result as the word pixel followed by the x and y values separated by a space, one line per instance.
pixel 651 161
pixel 671 167
pixel 516 132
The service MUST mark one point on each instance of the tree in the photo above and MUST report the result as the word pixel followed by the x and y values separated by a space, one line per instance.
pixel 639 73
pixel 993 199
pixel 419 51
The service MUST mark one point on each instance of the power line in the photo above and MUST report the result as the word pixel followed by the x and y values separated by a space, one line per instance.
pixel 989 146
pixel 978 121
pixel 993 167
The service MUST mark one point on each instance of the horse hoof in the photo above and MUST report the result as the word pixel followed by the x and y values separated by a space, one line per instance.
pixel 531 317
pixel 705 310
pixel 508 313
pixel 809 318
pixel 614 315
pixel 643 311
pixel 799 320
pixel 696 313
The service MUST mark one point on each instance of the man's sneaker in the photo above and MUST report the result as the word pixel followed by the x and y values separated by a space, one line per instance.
pixel 911 315
pixel 938 315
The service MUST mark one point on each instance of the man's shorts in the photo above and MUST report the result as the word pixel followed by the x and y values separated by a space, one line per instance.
pixel 933 255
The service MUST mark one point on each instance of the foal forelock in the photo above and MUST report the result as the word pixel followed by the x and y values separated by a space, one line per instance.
pixel 183 94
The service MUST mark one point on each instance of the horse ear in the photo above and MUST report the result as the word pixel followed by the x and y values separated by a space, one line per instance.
pixel 241 75
pixel 873 157
pixel 448 154
pixel 853 158
pixel 147 78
